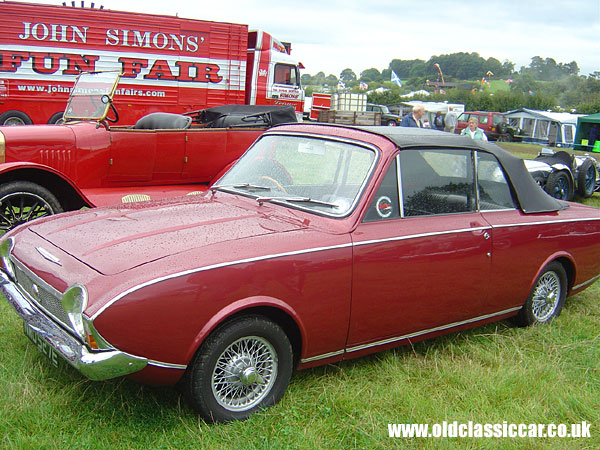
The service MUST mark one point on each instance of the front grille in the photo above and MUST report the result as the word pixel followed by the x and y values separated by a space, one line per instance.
pixel 42 294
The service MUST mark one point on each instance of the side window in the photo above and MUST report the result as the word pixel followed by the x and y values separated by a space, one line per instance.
pixel 385 204
pixel 496 119
pixel 483 119
pixel 285 74
pixel 437 182
pixel 494 190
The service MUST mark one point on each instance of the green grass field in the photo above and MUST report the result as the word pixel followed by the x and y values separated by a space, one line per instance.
pixel 490 374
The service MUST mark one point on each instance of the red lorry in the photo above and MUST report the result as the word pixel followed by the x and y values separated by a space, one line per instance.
pixel 168 64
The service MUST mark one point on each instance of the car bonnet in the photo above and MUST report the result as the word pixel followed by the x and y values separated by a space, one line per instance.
pixel 113 240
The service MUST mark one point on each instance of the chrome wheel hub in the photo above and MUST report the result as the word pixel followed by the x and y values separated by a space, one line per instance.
pixel 244 373
pixel 546 296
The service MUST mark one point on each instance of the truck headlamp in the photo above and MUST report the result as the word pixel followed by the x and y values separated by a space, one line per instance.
pixel 6 246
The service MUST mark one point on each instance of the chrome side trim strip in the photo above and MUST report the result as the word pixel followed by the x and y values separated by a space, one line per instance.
pixel 323 356
pixel 315 250
pixel 586 283
pixel 166 365
pixel 526 224
pixel 215 266
pixel 431 330
pixel 422 235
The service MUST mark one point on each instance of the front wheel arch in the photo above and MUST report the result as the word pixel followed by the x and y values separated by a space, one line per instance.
pixel 243 366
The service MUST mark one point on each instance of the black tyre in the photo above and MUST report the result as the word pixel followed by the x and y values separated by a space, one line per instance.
pixel 56 118
pixel 559 186
pixel 391 123
pixel 14 117
pixel 23 201
pixel 586 179
pixel 244 366
pixel 547 297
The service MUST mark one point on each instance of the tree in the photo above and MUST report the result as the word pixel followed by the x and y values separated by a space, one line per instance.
pixel 347 75
pixel 370 75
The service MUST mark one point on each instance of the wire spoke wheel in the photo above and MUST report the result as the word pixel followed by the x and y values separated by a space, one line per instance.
pixel 546 296
pixel 17 208
pixel 244 373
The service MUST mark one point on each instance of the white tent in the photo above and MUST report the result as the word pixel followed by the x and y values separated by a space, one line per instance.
pixel 544 127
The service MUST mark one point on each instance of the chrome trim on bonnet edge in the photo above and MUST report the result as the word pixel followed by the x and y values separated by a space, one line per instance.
pixel 100 365
pixel 265 257
pixel 314 250
pixel 586 283
pixel 411 335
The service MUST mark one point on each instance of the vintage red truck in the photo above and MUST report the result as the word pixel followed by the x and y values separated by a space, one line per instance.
pixel 46 169
pixel 169 64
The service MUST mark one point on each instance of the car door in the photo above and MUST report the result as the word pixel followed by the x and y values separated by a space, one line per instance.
pixel 422 254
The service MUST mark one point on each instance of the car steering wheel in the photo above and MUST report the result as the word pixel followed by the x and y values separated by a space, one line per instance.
pixel 275 182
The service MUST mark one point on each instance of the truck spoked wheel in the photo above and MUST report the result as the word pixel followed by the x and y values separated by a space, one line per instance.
pixel 22 201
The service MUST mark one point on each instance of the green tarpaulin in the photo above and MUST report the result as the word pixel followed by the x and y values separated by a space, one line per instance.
pixel 587 137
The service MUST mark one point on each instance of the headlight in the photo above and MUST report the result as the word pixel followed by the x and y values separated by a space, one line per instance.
pixel 74 302
pixel 6 247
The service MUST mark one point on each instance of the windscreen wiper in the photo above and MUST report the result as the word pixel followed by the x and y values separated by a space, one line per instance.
pixel 262 200
pixel 248 186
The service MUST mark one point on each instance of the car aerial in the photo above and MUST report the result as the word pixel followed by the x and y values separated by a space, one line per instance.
pixel 321 243
pixel 494 125
pixel 45 169
pixel 387 118
pixel 562 174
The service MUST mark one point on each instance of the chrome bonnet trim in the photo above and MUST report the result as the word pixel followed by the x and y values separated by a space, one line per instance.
pixel 319 249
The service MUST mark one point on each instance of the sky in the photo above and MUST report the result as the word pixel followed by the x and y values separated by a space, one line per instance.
pixel 330 36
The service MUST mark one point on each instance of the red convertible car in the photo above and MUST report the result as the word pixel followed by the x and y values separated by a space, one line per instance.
pixel 321 243
pixel 47 169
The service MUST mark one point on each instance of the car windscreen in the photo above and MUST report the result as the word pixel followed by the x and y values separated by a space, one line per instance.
pixel 317 174
pixel 86 99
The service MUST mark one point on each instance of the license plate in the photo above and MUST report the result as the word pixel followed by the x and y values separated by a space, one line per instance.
pixel 41 344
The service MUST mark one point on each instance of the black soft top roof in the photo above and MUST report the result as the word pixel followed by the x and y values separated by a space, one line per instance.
pixel 245 115
pixel 531 197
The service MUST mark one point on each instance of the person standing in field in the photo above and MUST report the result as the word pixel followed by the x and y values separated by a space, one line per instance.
pixel 474 131
pixel 414 119
pixel 450 120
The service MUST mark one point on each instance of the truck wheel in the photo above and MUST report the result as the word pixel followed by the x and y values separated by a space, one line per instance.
pixel 391 123
pixel 22 201
pixel 586 179
pixel 14 118
pixel 56 118
pixel 559 186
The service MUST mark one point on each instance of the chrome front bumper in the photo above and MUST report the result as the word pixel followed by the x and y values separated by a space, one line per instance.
pixel 53 340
